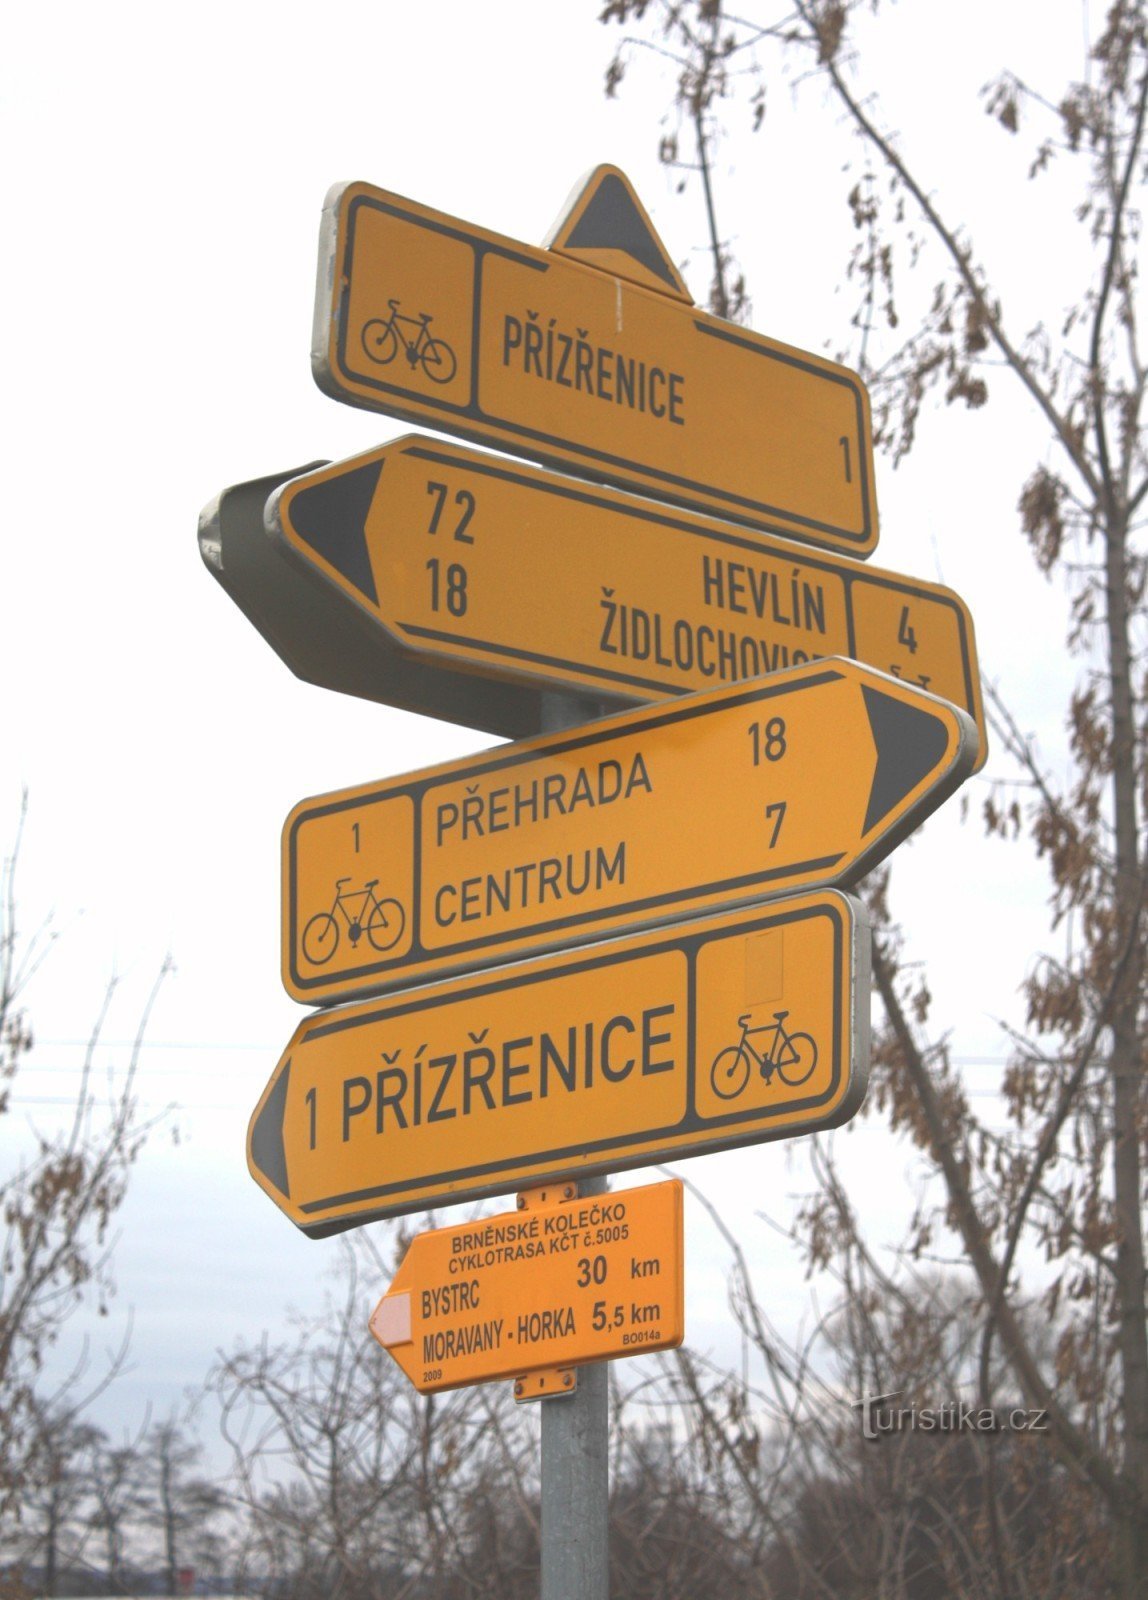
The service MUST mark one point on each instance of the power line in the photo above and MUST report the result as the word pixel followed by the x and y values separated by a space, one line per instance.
pixel 141 1105
pixel 207 1045
pixel 151 1072
pixel 144 1044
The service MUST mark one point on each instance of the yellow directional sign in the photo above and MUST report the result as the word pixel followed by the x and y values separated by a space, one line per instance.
pixel 476 564
pixel 722 1031
pixel 612 375
pixel 556 1283
pixel 805 777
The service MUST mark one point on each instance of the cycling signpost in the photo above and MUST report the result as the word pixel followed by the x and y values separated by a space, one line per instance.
pixel 440 560
pixel 611 375
pixel 803 777
pixel 623 940
pixel 701 1036
pixel 585 1279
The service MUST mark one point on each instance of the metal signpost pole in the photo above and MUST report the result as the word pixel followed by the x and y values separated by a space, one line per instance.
pixel 575 1481
pixel 575 1431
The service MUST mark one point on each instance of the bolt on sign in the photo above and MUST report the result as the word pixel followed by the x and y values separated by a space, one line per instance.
pixel 722 1031
pixel 589 357
pixel 477 564
pixel 806 777
pixel 548 1285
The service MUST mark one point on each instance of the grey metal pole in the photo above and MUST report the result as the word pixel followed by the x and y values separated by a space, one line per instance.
pixel 575 1431
pixel 575 1482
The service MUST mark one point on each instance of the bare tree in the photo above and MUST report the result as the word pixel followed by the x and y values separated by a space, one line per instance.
pixel 918 1489
pixel 351 1484
pixel 1067 1176
pixel 57 1208
pixel 115 1480
pixel 178 1503
pixel 53 1496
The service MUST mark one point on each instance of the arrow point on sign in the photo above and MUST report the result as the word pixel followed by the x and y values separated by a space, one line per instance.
pixel 911 743
pixel 605 225
pixel 267 1152
pixel 331 517
pixel 391 1320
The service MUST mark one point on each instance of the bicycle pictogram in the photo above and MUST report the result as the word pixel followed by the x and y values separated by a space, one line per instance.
pixel 383 336
pixel 792 1056
pixel 362 912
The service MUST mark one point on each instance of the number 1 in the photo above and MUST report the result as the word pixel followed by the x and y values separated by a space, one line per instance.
pixel 310 1099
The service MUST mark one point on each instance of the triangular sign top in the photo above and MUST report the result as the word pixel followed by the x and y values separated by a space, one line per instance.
pixel 605 225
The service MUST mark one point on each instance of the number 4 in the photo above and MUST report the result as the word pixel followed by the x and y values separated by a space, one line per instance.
pixel 906 634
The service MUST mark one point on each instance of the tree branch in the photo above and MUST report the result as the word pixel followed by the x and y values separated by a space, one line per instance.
pixel 962 261
pixel 1074 1446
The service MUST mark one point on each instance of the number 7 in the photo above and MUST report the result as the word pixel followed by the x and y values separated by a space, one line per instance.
pixel 777 811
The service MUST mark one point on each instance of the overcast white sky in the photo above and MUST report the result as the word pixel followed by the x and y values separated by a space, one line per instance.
pixel 165 174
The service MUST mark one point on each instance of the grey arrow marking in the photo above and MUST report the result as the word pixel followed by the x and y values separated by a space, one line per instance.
pixel 332 518
pixel 911 742
pixel 267 1150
